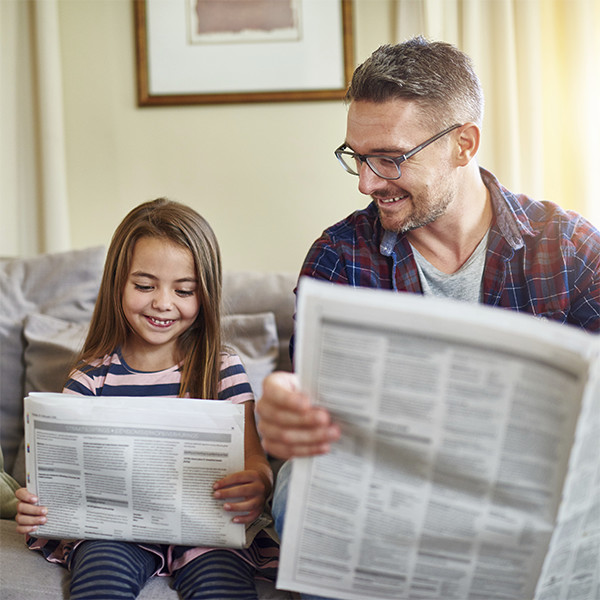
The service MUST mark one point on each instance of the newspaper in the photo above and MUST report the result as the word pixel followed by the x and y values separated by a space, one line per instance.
pixel 469 462
pixel 136 469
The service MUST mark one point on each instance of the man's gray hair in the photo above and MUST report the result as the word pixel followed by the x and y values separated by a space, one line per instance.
pixel 436 75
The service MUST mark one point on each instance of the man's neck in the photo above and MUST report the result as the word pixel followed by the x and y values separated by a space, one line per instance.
pixel 448 242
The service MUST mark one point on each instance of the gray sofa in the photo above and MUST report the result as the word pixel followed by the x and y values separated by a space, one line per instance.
pixel 45 305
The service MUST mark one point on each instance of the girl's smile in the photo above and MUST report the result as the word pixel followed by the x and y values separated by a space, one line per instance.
pixel 159 322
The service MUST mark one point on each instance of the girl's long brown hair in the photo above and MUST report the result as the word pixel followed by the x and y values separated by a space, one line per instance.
pixel 199 347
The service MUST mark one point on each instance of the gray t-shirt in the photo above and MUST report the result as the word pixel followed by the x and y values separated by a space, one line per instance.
pixel 465 284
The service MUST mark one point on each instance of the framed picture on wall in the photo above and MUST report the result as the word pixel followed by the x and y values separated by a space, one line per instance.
pixel 213 51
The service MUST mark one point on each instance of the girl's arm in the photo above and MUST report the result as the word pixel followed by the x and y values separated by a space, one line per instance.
pixel 250 488
pixel 29 514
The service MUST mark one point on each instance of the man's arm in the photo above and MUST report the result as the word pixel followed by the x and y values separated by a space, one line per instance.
pixel 585 274
pixel 288 422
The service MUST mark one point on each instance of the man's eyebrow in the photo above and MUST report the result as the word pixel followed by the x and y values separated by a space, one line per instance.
pixel 392 151
pixel 388 151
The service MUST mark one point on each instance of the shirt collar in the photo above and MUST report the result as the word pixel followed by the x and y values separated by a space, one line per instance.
pixel 511 219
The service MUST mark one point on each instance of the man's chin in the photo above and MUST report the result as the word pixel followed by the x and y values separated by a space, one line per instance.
pixel 399 224
pixel 403 225
pixel 395 223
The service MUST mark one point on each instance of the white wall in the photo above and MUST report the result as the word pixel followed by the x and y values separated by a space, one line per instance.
pixel 264 175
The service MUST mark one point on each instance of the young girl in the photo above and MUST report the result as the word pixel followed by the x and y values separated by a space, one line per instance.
pixel 156 330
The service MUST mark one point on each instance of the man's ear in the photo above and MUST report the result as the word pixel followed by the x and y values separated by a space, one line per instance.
pixel 468 138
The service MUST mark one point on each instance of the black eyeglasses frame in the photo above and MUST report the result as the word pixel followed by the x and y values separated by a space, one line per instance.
pixel 343 150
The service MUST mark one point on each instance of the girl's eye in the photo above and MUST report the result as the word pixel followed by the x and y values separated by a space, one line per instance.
pixel 142 288
pixel 185 293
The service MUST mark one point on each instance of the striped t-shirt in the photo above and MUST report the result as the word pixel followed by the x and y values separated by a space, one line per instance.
pixel 112 376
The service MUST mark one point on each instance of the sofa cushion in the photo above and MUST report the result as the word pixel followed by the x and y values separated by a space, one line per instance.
pixel 63 285
pixel 254 338
pixel 254 292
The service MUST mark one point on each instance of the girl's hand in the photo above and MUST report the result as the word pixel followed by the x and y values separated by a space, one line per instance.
pixel 247 492
pixel 29 514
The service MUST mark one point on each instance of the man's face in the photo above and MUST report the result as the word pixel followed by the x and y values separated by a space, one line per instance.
pixel 424 191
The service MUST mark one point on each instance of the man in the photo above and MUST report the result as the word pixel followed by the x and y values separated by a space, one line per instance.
pixel 438 224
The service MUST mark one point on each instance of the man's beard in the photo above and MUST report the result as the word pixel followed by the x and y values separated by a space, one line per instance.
pixel 421 215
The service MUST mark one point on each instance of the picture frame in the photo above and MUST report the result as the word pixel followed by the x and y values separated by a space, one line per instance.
pixel 188 52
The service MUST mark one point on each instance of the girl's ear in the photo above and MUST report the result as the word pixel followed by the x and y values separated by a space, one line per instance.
pixel 469 136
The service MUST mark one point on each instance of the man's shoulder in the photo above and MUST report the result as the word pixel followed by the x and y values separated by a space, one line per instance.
pixel 523 217
pixel 363 224
pixel 544 215
pixel 349 252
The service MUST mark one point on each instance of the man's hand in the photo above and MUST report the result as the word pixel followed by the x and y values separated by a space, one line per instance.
pixel 289 424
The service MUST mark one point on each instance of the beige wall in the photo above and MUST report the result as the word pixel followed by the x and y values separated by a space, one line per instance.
pixel 264 175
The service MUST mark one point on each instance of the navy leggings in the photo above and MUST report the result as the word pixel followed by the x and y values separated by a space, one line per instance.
pixel 106 570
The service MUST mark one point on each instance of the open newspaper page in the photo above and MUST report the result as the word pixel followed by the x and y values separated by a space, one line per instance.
pixel 458 422
pixel 572 567
pixel 135 469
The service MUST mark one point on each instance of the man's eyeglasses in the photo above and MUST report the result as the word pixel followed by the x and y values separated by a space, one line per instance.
pixel 386 167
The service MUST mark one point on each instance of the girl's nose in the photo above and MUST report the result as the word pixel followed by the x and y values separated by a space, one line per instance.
pixel 161 300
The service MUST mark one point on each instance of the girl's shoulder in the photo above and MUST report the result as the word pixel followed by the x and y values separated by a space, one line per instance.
pixel 229 357
pixel 99 365
pixel 233 380
pixel 90 377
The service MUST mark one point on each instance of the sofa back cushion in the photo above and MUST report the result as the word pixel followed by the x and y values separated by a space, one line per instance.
pixel 63 285
pixel 252 292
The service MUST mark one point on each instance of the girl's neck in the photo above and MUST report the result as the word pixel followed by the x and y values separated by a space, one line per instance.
pixel 148 359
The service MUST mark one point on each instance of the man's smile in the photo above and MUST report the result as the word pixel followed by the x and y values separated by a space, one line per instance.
pixel 390 199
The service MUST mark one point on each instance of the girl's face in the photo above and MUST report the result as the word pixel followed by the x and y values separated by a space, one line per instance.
pixel 160 302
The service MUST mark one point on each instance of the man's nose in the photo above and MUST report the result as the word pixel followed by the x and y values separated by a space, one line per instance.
pixel 368 180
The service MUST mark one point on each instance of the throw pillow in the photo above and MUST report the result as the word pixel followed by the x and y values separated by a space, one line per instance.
pixel 251 292
pixel 51 346
pixel 8 500
pixel 254 339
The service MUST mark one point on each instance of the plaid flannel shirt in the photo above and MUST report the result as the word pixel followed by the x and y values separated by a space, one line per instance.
pixel 540 258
